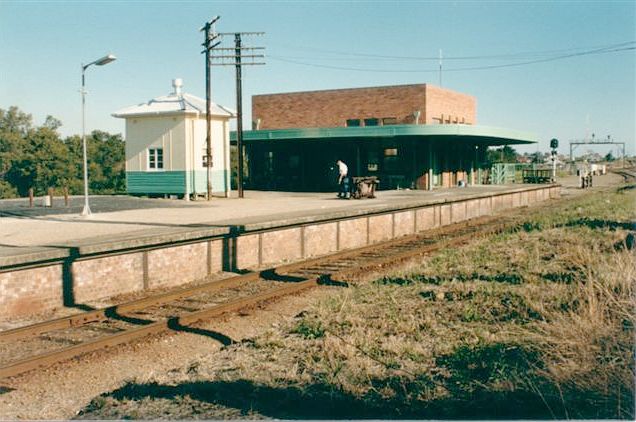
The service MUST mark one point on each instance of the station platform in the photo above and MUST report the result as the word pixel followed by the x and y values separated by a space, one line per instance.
pixel 119 222
pixel 121 218
pixel 53 258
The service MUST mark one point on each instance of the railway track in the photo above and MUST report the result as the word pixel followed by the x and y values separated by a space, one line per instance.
pixel 43 344
pixel 629 174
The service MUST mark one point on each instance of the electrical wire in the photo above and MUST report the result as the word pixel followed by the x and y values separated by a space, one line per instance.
pixel 601 50
pixel 519 55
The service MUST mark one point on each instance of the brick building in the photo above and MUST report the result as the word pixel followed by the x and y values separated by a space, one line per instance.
pixel 415 136
pixel 387 105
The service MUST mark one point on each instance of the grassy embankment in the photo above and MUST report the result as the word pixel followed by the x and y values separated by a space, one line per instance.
pixel 532 323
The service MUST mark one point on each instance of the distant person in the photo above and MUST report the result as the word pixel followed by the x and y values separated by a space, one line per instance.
pixel 343 180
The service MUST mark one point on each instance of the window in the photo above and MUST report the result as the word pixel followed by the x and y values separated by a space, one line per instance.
pixel 155 158
pixel 391 163
pixel 389 121
pixel 371 122
pixel 353 122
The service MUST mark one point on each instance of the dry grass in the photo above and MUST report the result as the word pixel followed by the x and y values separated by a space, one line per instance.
pixel 590 349
pixel 535 323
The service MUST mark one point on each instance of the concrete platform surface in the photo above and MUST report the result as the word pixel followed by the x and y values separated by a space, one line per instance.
pixel 19 229
pixel 128 219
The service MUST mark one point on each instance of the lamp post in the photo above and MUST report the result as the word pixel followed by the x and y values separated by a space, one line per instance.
pixel 86 211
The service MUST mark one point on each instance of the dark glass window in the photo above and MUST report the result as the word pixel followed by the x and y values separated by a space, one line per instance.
pixel 159 158
pixel 155 158
pixel 353 122
pixel 371 122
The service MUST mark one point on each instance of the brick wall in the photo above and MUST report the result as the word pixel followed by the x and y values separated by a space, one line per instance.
pixel 177 265
pixel 332 108
pixel 445 106
pixel 107 276
pixel 29 291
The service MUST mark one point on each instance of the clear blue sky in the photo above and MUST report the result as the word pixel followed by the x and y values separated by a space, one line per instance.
pixel 42 45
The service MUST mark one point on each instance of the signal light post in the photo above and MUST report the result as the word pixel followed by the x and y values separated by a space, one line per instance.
pixel 554 144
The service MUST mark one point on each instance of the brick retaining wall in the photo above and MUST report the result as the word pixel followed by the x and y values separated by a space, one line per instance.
pixel 38 287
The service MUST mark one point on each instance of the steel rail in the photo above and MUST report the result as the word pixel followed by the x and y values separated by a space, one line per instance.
pixel 128 336
pixel 388 243
pixel 481 226
pixel 102 314
pixel 422 250
pixel 180 293
pixel 627 173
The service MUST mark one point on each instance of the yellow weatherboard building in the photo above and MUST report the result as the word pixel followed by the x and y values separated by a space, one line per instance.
pixel 166 146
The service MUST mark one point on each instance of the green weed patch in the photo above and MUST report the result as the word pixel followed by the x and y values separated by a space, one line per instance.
pixel 309 329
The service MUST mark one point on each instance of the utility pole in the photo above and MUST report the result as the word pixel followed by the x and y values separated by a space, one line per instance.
pixel 234 57
pixel 209 43
pixel 239 111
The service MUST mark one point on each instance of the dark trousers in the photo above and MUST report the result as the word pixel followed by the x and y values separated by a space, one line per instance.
pixel 345 188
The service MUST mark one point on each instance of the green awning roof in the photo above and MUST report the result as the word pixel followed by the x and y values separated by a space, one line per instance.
pixel 464 133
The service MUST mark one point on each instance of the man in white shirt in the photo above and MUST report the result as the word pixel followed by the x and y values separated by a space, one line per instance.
pixel 343 180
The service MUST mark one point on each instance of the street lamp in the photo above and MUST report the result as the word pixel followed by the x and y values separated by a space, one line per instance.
pixel 86 211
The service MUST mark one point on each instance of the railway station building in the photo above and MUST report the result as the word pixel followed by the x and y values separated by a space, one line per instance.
pixel 166 145
pixel 410 136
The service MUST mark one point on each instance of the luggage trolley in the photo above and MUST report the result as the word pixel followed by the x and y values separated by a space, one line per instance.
pixel 364 187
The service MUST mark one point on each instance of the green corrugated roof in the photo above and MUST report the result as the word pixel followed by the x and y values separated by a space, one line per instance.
pixel 482 134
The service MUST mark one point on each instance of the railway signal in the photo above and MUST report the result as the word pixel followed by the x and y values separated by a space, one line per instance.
pixel 554 144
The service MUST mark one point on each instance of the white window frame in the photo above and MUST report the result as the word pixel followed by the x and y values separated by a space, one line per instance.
pixel 154 153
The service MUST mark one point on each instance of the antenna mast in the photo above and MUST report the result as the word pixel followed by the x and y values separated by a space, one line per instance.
pixel 440 67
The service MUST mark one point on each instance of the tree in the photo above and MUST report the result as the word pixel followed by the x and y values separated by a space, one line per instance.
pixel 107 165
pixel 609 157
pixel 505 154
pixel 7 191
pixel 15 121
pixel 44 161
pixel 536 158
pixel 15 126
pixel 37 157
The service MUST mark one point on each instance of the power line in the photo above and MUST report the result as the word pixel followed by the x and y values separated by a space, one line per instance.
pixel 603 50
pixel 519 55
pixel 551 59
